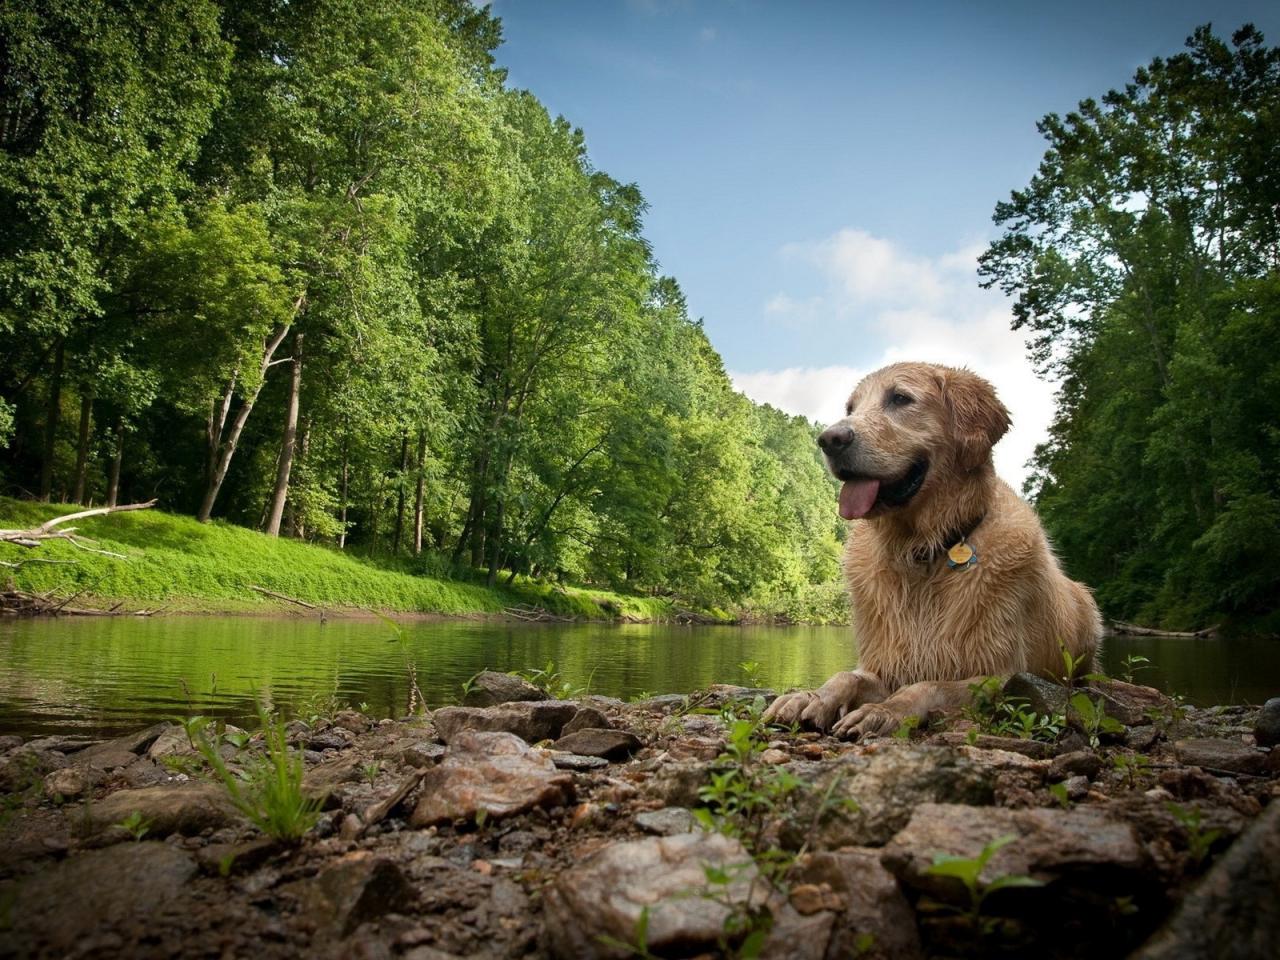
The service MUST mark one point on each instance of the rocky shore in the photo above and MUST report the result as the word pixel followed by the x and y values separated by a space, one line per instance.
pixel 674 827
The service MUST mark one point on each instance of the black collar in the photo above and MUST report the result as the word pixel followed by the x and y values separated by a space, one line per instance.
pixel 959 535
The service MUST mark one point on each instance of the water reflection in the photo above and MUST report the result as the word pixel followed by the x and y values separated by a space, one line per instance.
pixel 101 676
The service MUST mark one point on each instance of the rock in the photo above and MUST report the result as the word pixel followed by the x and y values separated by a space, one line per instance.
pixel 1231 756
pixel 1042 696
pixel 9 741
pixel 1005 760
pixel 579 764
pixel 489 688
pixel 595 742
pixel 1082 763
pixel 171 741
pixel 335 738
pixel 1029 748
pixel 1050 845
pixel 867 901
pixel 604 895
pixel 136 742
pixel 352 721
pixel 224 859
pixel 25 768
pixel 666 822
pixel 1130 703
pixel 531 722
pixel 1266 729
pixel 885 786
pixel 696 748
pixel 586 717
pixel 66 784
pixel 186 808
pixel 677 783
pixel 324 781
pixel 1233 913
pixel 358 888
pixel 666 703
pixel 494 772
pixel 56 912
pixel 1142 737
pixel 774 756
pixel 1077 787
pixel 418 754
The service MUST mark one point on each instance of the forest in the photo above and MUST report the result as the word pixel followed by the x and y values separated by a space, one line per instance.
pixel 316 269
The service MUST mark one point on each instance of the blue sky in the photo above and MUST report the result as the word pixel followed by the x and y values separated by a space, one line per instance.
pixel 822 175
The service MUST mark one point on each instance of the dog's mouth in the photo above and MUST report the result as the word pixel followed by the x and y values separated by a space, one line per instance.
pixel 860 495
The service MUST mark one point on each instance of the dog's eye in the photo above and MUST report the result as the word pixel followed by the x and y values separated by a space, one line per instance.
pixel 898 399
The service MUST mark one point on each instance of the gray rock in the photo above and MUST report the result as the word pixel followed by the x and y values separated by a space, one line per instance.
pixel 1233 913
pixel 1231 756
pixel 586 718
pixel 494 772
pixel 358 888
pixel 1130 703
pixel 677 783
pixel 171 741
pixel 867 899
pixel 664 703
pixel 9 741
pixel 1077 787
pixel 186 808
pixel 666 822
pixel 604 895
pixel 335 738
pixel 489 688
pixel 531 722
pixel 25 768
pixel 1266 729
pixel 419 753
pixel 1043 696
pixel 105 755
pixel 885 787
pixel 1142 737
pixel 325 781
pixel 1082 763
pixel 56 911
pixel 1028 748
pixel 594 742
pixel 579 764
pixel 1064 847
pixel 67 784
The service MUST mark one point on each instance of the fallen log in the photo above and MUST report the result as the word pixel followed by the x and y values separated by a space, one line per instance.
pixel 1118 628
pixel 32 537
pixel 281 596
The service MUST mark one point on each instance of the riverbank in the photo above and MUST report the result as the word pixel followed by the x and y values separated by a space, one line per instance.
pixel 181 566
pixel 676 826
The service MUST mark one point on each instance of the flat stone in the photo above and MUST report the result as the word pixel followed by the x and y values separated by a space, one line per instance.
pixel 324 781
pixel 666 822
pixel 335 738
pixel 1233 913
pixel 358 888
pixel 531 722
pixel 85 896
pixel 352 720
pixel 885 787
pixel 586 718
pixel 489 688
pixel 494 772
pixel 106 755
pixel 229 858
pixel 867 900
pixel 1130 703
pixel 604 896
pixel 696 748
pixel 595 742
pixel 1042 696
pixel 25 768
pixel 172 741
pixel 579 764
pixel 1034 749
pixel 1081 763
pixel 186 808
pixel 1232 756
pixel 1050 845
pixel 67 784
pixel 1266 729
pixel 1142 737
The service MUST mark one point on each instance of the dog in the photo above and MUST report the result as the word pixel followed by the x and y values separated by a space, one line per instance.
pixel 950 574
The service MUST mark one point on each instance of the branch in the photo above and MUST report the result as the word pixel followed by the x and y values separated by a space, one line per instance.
pixel 33 536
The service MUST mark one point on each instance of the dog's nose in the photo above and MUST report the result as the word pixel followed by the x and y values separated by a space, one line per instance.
pixel 836 438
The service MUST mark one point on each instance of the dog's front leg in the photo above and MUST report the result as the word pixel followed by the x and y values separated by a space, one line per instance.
pixel 821 708
pixel 913 700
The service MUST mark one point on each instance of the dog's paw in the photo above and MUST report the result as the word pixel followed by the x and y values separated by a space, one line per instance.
pixel 788 708
pixel 871 720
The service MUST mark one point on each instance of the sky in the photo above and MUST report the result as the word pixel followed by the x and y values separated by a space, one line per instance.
pixel 821 175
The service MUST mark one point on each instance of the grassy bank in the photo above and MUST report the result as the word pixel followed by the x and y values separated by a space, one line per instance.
pixel 192 567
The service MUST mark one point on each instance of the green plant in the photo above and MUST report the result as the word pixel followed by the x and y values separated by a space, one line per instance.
pixel 1133 664
pixel 751 670
pixel 1093 718
pixel 269 792
pixel 1059 792
pixel 638 946
pixel 548 680
pixel 371 771
pixel 1072 666
pixel 1199 840
pixel 996 714
pixel 968 870
pixel 907 727
pixel 136 825
pixel 1131 765
pixel 469 684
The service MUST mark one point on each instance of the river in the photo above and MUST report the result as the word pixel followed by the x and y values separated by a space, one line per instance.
pixel 106 675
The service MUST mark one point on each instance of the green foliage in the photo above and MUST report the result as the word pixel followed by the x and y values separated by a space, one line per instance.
pixel 1002 716
pixel 269 793
pixel 1199 840
pixel 1142 262
pixel 1059 793
pixel 1131 766
pixel 548 680
pixel 136 825
pixel 968 871
pixel 1092 718
pixel 1132 665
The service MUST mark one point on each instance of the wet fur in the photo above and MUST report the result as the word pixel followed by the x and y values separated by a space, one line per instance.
pixel 925 631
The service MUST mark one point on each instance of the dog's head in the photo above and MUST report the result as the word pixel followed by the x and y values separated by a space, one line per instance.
pixel 908 429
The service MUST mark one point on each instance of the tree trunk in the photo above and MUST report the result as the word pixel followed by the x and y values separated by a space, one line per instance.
pixel 222 449
pixel 404 468
pixel 52 412
pixel 342 518
pixel 495 542
pixel 82 445
pixel 418 493
pixel 113 481
pixel 298 520
pixel 287 443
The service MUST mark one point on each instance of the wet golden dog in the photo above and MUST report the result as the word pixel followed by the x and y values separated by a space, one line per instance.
pixel 950 574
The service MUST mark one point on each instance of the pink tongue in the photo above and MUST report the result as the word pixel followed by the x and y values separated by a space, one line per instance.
pixel 857 497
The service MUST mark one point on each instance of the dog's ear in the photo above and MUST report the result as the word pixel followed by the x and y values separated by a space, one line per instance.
pixel 978 418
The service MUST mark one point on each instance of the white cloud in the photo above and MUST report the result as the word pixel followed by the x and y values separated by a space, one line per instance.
pixel 913 308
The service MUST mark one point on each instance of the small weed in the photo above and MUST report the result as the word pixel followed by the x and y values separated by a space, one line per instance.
pixel 136 825
pixel 1199 840
pixel 968 871
pixel 1059 792
pixel 639 943
pixel 1131 765
pixel 907 727
pixel 225 863
pixel 469 684
pixel 1131 665
pixel 1073 666
pixel 1093 718
pixel 751 671
pixel 1002 716
pixel 237 738
pixel 371 771
pixel 548 680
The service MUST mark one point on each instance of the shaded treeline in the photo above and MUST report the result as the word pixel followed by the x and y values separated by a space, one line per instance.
pixel 314 268
pixel 1145 259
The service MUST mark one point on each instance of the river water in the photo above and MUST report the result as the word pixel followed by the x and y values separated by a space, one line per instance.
pixel 107 675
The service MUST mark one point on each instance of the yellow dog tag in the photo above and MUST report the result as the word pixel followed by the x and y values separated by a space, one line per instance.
pixel 961 555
